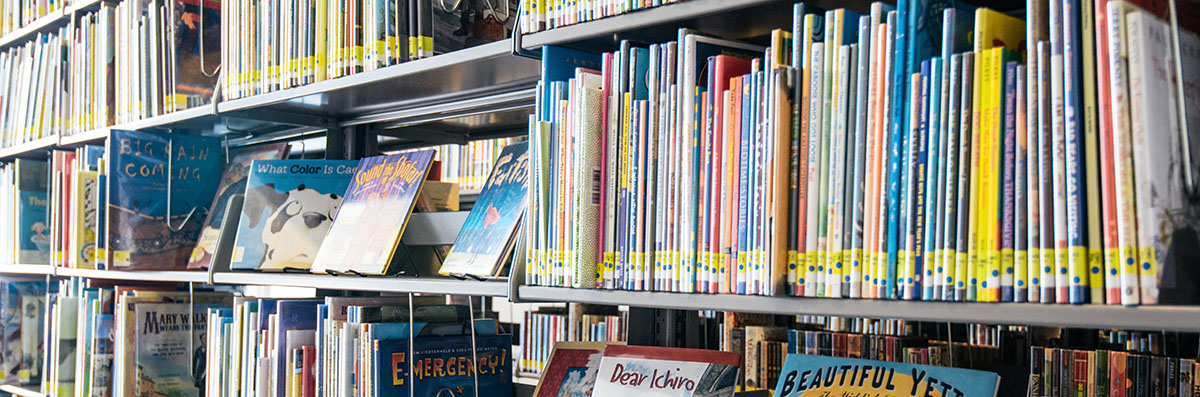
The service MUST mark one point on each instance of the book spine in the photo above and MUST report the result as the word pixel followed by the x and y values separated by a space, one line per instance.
pixel 1008 182
pixel 1073 92
pixel 1122 155
pixel 1045 174
pixel 967 157
pixel 1022 188
pixel 1058 70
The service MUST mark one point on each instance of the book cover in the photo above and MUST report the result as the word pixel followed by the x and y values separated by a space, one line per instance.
pixel 374 212
pixel 488 232
pixel 443 366
pixel 170 349
pixel 465 24
pixel 812 376
pixel 572 369
pixel 33 229
pixel 196 45
pixel 233 181
pixel 288 209
pixel 664 371
pixel 145 230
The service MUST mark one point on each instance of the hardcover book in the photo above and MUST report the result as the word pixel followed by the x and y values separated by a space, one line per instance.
pixel 288 209
pixel 149 227
pixel 487 235
pixel 233 181
pixel 810 376
pixel 33 229
pixel 368 227
pixel 572 369
pixel 666 371
pixel 442 366
pixel 166 360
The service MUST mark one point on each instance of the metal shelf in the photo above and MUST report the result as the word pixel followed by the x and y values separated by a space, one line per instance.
pixel 27 269
pixel 1151 318
pixel 19 391
pixel 430 285
pixel 446 79
pixel 34 148
pixel 161 276
pixel 201 120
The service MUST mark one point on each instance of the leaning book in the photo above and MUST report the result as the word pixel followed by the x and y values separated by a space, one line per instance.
pixel 288 209
pixel 487 235
pixel 233 181
pixel 812 376
pixel 666 371
pixel 374 212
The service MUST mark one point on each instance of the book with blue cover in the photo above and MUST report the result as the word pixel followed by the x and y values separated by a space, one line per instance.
pixel 146 231
pixel 33 229
pixel 288 209
pixel 443 366
pixel 233 181
pixel 811 376
pixel 487 235
pixel 378 202
pixel 13 310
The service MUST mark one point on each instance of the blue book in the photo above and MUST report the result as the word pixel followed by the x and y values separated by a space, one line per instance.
pixel 400 330
pixel 559 64
pixel 442 365
pixel 1007 182
pixel 146 230
pixel 897 131
pixel 1072 45
pixel 92 155
pixel 804 375
pixel 489 232
pixel 740 243
pixel 293 314
pixel 33 229
pixel 101 221
pixel 933 179
pixel 289 207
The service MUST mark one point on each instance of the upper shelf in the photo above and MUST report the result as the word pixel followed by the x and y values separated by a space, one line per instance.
pixel 45 23
pixel 1154 318
pixel 443 82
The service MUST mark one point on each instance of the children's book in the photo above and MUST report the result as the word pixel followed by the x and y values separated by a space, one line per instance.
pixel 572 369
pixel 169 344
pixel 368 227
pixel 33 229
pixel 233 181
pixel 288 209
pixel 487 235
pixel 149 227
pixel 442 366
pixel 811 376
pixel 666 371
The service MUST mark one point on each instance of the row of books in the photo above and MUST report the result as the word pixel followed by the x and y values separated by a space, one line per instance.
pixel 469 165
pixel 864 156
pixel 540 15
pixel 31 78
pixel 23 322
pixel 354 346
pixel 267 49
pixel 1067 372
pixel 114 207
pixel 113 341
pixel 16 14
pixel 543 329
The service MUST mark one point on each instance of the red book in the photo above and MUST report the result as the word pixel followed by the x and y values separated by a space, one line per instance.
pixel 724 68
pixel 308 381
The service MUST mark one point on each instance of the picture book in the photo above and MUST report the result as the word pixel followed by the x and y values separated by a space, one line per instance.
pixel 374 213
pixel 666 371
pixel 149 227
pixel 443 366
pixel 33 229
pixel 572 369
pixel 487 235
pixel 289 207
pixel 233 181
pixel 13 317
pixel 811 376
pixel 168 348
pixel 33 331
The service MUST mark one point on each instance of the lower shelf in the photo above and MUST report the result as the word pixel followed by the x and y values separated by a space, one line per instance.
pixel 19 391
pixel 1150 318
pixel 357 283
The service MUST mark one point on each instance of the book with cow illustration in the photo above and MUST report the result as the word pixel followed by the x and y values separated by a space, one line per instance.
pixel 289 207
pixel 233 181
